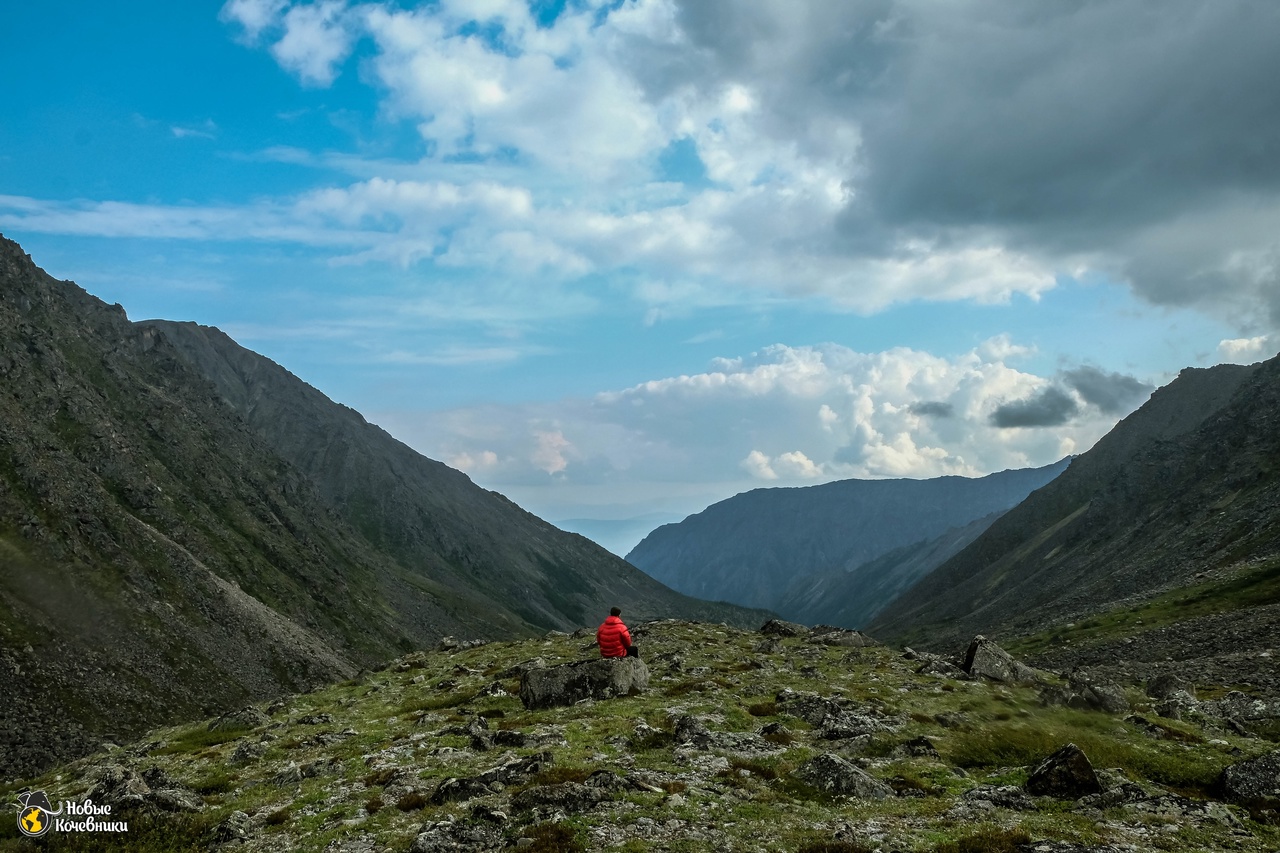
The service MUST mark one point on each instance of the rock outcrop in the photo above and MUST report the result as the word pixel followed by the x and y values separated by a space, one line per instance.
pixel 572 682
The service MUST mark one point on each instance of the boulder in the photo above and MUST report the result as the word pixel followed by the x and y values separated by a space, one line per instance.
pixel 985 659
pixel 570 683
pixel 245 718
pixel 691 730
pixel 831 774
pixel 457 837
pixel 1254 782
pixel 781 628
pixel 1000 796
pixel 1066 774
pixel 152 790
pixel 1170 686
pixel 567 797
pixel 1243 707
pixel 842 637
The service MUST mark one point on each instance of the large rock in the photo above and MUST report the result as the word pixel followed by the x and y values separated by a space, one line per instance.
pixel 152 790
pixel 1066 774
pixel 782 628
pixel 572 682
pixel 985 659
pixel 833 775
pixel 1254 782
pixel 246 718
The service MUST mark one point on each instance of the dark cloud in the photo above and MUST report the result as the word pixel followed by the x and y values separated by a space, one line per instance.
pixel 933 408
pixel 1050 407
pixel 1112 393
pixel 1077 128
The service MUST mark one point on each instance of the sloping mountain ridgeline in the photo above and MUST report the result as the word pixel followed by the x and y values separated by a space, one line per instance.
pixel 852 599
pixel 760 548
pixel 161 558
pixel 1161 542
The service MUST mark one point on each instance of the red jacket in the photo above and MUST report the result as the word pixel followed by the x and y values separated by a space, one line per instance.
pixel 613 637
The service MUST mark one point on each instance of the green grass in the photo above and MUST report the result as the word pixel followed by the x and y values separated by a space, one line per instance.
pixel 199 738
pixel 1252 587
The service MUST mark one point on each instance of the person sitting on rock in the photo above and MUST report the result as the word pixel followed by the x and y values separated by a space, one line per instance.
pixel 613 637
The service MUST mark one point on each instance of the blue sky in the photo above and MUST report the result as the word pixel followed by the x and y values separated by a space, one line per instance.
pixel 621 259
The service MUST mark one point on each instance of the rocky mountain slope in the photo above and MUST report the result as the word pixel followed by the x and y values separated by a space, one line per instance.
pixel 751 548
pixel 785 739
pixel 515 570
pixel 851 599
pixel 1185 489
pixel 160 558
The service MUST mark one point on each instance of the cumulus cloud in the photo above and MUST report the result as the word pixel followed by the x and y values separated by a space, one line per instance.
pixel 863 154
pixel 1245 350
pixel 786 416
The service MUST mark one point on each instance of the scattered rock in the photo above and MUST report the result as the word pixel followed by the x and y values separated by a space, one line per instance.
pixel 833 775
pixel 1066 774
pixel 842 637
pixel 572 682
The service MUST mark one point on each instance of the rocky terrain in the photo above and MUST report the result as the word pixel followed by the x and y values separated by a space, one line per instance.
pixel 163 555
pixel 759 548
pixel 1183 492
pixel 782 739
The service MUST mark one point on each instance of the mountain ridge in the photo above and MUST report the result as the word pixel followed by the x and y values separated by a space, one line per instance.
pixel 142 516
pixel 752 547
pixel 1141 513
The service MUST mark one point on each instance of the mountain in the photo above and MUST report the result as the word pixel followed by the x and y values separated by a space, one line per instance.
pixel 1184 490
pixel 742 742
pixel 851 599
pixel 164 554
pixel 517 571
pixel 750 548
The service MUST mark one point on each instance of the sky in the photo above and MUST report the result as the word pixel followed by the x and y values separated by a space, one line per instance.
pixel 620 259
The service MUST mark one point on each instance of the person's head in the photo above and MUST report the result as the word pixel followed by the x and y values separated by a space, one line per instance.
pixel 615 611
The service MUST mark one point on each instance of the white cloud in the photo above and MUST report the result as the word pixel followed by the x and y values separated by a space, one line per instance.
pixel 254 16
pixel 789 415
pixel 317 39
pixel 1245 350
pixel 757 465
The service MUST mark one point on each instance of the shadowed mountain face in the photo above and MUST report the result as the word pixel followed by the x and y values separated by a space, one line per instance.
pixel 852 599
pixel 163 555
pixel 1185 485
pixel 751 548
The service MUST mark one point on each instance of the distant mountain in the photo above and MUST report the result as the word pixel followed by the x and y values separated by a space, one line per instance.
pixel 1187 486
pixel 851 599
pixel 184 526
pixel 751 548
